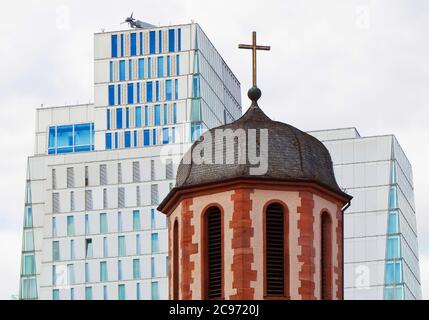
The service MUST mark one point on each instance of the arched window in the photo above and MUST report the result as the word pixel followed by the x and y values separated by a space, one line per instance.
pixel 213 252
pixel 326 256
pixel 276 251
pixel 176 260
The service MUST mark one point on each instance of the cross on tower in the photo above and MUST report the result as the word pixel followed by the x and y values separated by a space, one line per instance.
pixel 254 47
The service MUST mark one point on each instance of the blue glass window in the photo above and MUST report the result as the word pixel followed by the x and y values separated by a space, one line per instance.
pixel 116 141
pixel 138 92
pixel 122 70
pixel 105 296
pixel 155 291
pixel 119 94
pixel 111 71
pixel 111 95
pixel 155 243
pixel 121 246
pixel 103 223
pixel 157 90
pixel 138 245
pixel 195 132
pixel 138 117
pixel 121 292
pixel 52 134
pixel 157 112
pixel 149 91
pixel 154 136
pixel 122 45
pixel 119 221
pixel 152 267
pixel 136 269
pixel 392 198
pixel 171 40
pixel 159 41
pixel 196 87
pixel 168 90
pixel 114 46
pixel 152 42
pixel 146 116
pixel 86 224
pixel 176 89
pixel 179 39
pixel 127 118
pixel 177 65
pixel 168 66
pixel 105 250
pixel 88 293
pixel 82 137
pixel 146 137
pixel 130 87
pixel 130 69
pixel 138 297
pixel 103 271
pixel 141 69
pixel 394 293
pixel 108 119
pixel 29 266
pixel 136 220
pixel 71 138
pixel 56 294
pixel 392 225
pixel 133 44
pixel 393 251
pixel 149 67
pixel 87 275
pixel 152 218
pixel 70 226
pixel 108 141
pixel 127 139
pixel 165 137
pixel 393 273
pixel 119 270
pixel 119 118
pixel 135 138
pixel 165 114
pixel 175 113
pixel 160 67
pixel 173 135
pixel 141 43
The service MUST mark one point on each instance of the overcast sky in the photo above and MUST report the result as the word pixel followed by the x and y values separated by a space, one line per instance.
pixel 362 64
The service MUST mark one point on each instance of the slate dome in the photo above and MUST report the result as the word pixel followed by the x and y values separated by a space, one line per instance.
pixel 293 155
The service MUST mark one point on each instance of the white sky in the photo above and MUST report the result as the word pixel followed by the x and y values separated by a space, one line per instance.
pixel 333 63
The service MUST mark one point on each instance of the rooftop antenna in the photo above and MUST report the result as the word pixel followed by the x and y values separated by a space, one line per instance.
pixel 137 24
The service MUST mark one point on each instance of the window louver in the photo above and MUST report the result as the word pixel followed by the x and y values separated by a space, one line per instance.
pixel 121 197
pixel 136 171
pixel 275 255
pixel 214 253
pixel 169 169
pixel 154 195
pixel 55 202
pixel 88 199
pixel 326 258
pixel 103 175
pixel 70 178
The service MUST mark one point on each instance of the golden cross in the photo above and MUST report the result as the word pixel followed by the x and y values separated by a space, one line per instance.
pixel 254 47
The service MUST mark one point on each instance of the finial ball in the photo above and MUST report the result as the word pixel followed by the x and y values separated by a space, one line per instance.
pixel 254 94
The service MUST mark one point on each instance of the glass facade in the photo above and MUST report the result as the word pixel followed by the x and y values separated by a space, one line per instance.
pixel 380 246
pixel 71 138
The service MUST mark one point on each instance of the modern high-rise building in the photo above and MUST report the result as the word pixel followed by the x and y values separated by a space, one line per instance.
pixel 98 171
pixel 380 246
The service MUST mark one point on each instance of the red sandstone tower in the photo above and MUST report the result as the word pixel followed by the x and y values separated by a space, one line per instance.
pixel 242 229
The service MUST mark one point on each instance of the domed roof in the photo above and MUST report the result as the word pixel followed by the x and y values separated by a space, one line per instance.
pixel 293 156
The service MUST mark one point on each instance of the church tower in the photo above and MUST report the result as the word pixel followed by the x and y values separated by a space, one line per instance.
pixel 246 229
